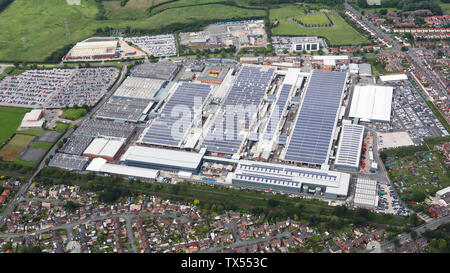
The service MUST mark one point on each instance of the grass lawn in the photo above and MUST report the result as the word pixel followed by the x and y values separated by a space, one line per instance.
pixel 26 163
pixel 42 145
pixel 20 141
pixel 32 30
pixel 314 19
pixel 74 114
pixel 445 7
pixel 340 34
pixel 62 127
pixel 10 119
pixel 33 132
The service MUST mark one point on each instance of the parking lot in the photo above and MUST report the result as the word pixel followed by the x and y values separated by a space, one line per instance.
pixel 411 113
pixel 57 87
pixel 389 202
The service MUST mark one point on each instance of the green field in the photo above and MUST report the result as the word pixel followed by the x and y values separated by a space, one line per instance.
pixel 445 7
pixel 42 145
pixel 10 119
pixel 74 114
pixel 33 30
pixel 340 34
pixel 314 19
pixel 62 127
pixel 20 141
pixel 33 132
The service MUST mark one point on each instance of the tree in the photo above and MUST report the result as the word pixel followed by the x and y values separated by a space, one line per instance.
pixel 396 242
pixel 414 235
pixel 442 245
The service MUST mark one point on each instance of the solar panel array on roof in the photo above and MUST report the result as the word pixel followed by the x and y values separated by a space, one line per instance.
pixel 160 131
pixel 313 130
pixel 277 111
pixel 349 150
pixel 248 90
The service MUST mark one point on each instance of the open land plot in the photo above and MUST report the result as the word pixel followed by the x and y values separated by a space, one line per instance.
pixel 314 19
pixel 42 145
pixel 33 132
pixel 340 34
pixel 133 8
pixel 49 137
pixel 33 154
pixel 74 114
pixel 8 153
pixel 10 119
pixel 31 31
pixel 20 141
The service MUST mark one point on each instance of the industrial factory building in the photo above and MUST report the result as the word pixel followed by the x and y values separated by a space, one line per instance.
pixel 101 165
pixel 350 145
pixel 170 160
pixel 95 48
pixel 105 148
pixel 372 103
pixel 366 193
pixel 290 178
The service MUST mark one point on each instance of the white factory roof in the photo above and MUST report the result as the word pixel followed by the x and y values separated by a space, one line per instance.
pixel 353 68
pixel 32 124
pixel 170 158
pixel 103 147
pixel 101 165
pixel 443 191
pixel 292 176
pixel 33 115
pixel 365 69
pixel 365 200
pixel 366 192
pixel 89 49
pixel 330 57
pixel 140 88
pixel 372 103
pixel 393 77
pixel 350 145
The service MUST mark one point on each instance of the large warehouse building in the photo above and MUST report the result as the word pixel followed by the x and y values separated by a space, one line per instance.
pixel 290 178
pixel 108 149
pixel 350 145
pixel 171 160
pixel 101 165
pixel 372 103
pixel 314 128
pixel 95 48
pixel 366 193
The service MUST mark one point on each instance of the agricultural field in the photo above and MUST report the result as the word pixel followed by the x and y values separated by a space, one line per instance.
pixel 31 31
pixel 15 146
pixel 339 34
pixel 8 153
pixel 417 176
pixel 20 141
pixel 10 119
pixel 319 19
